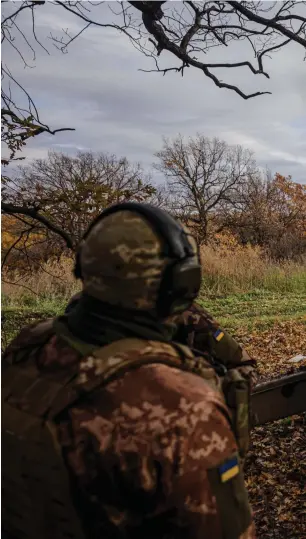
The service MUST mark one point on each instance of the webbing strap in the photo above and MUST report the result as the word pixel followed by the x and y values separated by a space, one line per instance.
pixel 113 360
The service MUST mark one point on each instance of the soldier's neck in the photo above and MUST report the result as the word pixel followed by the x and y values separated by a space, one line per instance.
pixel 98 323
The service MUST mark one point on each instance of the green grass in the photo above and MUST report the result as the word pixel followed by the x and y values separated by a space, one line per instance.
pixel 258 309
pixel 42 302
pixel 15 316
pixel 254 310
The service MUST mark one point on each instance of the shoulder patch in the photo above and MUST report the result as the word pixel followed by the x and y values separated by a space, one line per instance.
pixel 218 335
pixel 227 485
pixel 229 469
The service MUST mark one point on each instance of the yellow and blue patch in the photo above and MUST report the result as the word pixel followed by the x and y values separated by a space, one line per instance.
pixel 229 469
pixel 218 335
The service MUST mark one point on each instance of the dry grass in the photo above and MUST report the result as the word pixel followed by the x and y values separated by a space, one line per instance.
pixel 52 281
pixel 231 269
pixel 228 268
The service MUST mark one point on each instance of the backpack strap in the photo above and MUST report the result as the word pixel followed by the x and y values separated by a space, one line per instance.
pixel 111 362
pixel 99 366
pixel 115 359
pixel 28 341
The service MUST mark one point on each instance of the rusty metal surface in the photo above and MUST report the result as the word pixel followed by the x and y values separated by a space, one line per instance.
pixel 279 398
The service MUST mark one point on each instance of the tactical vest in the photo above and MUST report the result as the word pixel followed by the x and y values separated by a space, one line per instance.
pixel 36 496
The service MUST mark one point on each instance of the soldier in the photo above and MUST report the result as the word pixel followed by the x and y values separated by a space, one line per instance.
pixel 109 428
pixel 197 329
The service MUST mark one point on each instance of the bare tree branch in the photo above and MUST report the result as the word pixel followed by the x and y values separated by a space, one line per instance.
pixel 164 43
pixel 65 193
pixel 19 284
pixel 187 30
pixel 19 123
pixel 7 254
pixel 272 23
pixel 11 209
pixel 25 5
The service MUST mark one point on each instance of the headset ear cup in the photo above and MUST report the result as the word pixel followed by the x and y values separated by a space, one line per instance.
pixel 179 287
pixel 77 270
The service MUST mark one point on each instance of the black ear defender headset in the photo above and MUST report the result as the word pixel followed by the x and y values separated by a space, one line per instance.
pixel 181 280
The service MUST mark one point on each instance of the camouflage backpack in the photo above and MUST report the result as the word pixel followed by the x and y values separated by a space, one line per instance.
pixel 34 468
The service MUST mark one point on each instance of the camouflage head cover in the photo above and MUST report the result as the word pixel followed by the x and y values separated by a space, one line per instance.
pixel 122 261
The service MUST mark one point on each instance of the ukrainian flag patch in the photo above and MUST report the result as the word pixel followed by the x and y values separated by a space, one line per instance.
pixel 218 335
pixel 229 469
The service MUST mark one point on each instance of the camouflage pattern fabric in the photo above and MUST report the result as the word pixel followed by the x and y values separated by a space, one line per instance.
pixel 121 261
pixel 145 451
pixel 197 328
pixel 201 332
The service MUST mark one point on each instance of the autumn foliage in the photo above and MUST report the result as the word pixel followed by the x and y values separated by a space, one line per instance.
pixel 273 215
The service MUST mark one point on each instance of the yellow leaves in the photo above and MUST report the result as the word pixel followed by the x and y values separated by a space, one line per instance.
pixel 295 193
pixel 12 235
pixel 226 241
pixel 7 240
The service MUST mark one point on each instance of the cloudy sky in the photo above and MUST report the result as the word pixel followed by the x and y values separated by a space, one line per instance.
pixel 97 88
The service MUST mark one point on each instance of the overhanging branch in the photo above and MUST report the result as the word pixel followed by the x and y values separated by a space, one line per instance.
pixel 11 209
pixel 164 43
pixel 272 23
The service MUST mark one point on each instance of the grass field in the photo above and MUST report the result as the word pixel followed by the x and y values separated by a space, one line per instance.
pixel 238 313
pixel 255 310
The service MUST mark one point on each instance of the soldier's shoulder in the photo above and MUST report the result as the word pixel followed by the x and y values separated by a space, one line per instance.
pixel 198 317
pixel 160 407
pixel 30 335
pixel 158 383
pixel 156 429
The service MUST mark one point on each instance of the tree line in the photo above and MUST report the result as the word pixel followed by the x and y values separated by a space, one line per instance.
pixel 209 185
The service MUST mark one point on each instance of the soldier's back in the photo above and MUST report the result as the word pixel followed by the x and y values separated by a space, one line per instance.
pixel 145 451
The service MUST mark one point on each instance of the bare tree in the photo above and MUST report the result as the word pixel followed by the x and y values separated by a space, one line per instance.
pixel 205 177
pixel 57 197
pixel 187 31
